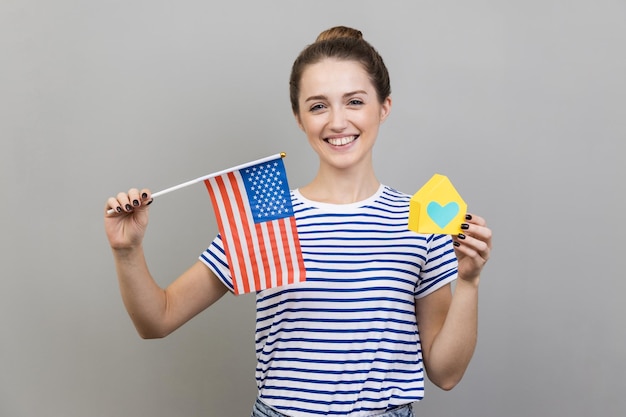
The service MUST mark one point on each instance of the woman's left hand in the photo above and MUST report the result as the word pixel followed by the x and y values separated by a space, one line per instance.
pixel 472 247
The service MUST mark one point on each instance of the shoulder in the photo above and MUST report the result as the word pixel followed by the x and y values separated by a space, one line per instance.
pixel 392 195
pixel 391 201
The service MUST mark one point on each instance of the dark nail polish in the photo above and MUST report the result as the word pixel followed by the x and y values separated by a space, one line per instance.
pixel 464 226
pixel 468 217
pixel 144 195
pixel 135 203
pixel 119 209
pixel 461 236
pixel 128 207
pixel 457 244
pixel 149 202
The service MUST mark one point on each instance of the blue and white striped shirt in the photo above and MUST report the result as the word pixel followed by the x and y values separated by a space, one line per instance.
pixel 345 342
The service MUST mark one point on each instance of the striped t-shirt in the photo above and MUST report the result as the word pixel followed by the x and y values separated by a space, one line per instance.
pixel 345 342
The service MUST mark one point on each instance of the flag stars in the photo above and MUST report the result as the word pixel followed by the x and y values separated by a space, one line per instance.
pixel 267 189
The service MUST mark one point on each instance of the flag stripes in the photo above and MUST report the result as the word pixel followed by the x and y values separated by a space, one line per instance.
pixel 261 254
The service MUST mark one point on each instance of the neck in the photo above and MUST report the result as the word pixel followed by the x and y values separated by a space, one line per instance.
pixel 341 187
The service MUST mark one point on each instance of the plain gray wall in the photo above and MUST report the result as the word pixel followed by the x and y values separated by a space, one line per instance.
pixel 521 103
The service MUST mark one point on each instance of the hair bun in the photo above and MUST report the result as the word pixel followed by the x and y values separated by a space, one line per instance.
pixel 339 32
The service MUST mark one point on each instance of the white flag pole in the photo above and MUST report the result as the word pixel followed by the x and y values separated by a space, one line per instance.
pixel 215 174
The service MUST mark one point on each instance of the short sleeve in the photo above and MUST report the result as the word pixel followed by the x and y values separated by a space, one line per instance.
pixel 215 258
pixel 440 268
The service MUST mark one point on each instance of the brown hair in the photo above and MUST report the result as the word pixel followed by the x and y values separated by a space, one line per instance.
pixel 344 43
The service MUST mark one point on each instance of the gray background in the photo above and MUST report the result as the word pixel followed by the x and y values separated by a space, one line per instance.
pixel 521 103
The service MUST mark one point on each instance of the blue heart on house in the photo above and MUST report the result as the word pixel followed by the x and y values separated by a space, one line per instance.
pixel 442 215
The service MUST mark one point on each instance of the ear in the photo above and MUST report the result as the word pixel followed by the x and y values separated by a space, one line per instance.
pixel 298 121
pixel 385 109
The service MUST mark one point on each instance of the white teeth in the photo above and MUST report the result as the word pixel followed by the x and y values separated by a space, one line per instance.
pixel 341 141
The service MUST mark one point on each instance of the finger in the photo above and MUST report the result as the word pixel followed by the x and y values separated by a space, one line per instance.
pixel 477 230
pixel 474 219
pixel 124 201
pixel 113 206
pixel 134 198
pixel 146 197
pixel 471 246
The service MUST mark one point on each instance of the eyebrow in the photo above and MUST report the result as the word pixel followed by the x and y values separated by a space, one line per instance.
pixel 323 97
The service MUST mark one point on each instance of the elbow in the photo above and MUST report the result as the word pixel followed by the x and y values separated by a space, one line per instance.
pixel 150 333
pixel 448 384
pixel 150 328
pixel 151 336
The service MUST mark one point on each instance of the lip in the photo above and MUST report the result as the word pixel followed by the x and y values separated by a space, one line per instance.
pixel 340 141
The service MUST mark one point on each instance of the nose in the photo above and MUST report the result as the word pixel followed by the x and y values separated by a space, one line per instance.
pixel 338 120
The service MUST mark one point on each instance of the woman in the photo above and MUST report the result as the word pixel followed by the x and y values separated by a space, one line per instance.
pixel 345 342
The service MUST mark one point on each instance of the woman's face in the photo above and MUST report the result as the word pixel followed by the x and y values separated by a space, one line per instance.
pixel 340 112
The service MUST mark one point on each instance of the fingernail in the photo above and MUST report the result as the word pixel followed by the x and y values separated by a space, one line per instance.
pixel 461 236
pixel 144 195
pixel 468 217
pixel 119 209
pixel 128 207
pixel 135 203
pixel 149 202
pixel 464 226
pixel 457 244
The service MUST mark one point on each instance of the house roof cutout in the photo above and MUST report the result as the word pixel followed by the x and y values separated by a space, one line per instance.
pixel 437 208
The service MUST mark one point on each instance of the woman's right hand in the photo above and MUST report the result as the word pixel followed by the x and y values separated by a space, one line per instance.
pixel 125 226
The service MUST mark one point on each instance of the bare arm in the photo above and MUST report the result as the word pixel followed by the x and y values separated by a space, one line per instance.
pixel 155 312
pixel 448 322
pixel 448 329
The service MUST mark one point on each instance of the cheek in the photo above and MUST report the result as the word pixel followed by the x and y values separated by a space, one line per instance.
pixel 310 126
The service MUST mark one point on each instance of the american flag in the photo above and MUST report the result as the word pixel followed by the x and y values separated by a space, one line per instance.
pixel 257 225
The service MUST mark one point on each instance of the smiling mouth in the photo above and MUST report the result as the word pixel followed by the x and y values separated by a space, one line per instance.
pixel 341 141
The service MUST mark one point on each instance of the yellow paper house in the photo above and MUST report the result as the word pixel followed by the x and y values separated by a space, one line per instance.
pixel 437 208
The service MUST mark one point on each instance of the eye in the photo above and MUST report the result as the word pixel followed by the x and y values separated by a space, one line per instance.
pixel 355 102
pixel 317 107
